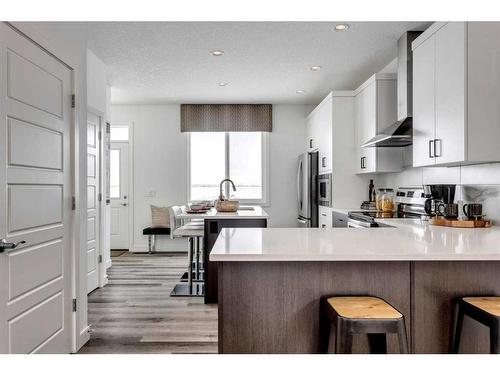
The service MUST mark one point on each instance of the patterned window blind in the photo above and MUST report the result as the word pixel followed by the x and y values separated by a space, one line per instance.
pixel 226 117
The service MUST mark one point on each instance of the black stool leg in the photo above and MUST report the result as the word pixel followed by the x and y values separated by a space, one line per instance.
pixel 149 244
pixel 402 338
pixel 343 339
pixel 377 343
pixel 495 338
pixel 325 327
pixel 458 328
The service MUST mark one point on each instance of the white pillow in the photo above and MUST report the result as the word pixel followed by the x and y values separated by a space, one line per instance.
pixel 160 217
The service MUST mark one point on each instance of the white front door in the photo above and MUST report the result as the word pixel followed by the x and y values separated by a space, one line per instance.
pixel 93 200
pixel 119 193
pixel 35 198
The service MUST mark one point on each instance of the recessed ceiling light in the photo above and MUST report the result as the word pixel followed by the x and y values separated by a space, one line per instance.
pixel 341 27
pixel 222 84
pixel 315 68
pixel 217 52
pixel 300 91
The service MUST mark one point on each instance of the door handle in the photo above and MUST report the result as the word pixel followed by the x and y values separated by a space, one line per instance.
pixel 310 143
pixel 124 204
pixel 323 162
pixel 436 148
pixel 4 245
pixel 431 148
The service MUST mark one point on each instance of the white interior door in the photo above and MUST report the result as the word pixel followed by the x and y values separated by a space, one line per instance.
pixel 119 193
pixel 93 200
pixel 35 198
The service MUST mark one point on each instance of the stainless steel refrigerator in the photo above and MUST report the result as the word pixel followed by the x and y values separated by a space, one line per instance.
pixel 307 195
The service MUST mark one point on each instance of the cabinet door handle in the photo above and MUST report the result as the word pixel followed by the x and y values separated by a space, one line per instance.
pixel 436 148
pixel 323 162
pixel 431 148
pixel 361 163
pixel 311 143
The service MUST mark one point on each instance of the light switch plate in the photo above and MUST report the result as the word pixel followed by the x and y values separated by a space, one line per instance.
pixel 150 194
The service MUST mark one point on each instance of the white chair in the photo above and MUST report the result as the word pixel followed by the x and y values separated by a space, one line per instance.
pixel 193 231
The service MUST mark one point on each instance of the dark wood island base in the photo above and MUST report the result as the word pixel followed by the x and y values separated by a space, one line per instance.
pixel 274 307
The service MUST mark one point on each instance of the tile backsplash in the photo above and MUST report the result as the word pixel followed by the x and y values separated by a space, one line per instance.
pixel 475 183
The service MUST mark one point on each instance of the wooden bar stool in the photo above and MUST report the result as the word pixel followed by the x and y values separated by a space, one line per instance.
pixel 360 314
pixel 485 310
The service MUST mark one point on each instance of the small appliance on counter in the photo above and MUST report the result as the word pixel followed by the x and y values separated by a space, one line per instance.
pixel 438 195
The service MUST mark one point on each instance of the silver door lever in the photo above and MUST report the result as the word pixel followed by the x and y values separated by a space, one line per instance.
pixel 4 245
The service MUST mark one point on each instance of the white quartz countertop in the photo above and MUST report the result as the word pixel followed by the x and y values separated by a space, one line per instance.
pixel 245 212
pixel 407 240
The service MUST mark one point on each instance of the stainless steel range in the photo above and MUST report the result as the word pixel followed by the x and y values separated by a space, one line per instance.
pixel 410 205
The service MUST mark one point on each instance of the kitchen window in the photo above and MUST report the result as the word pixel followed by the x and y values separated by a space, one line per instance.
pixel 240 156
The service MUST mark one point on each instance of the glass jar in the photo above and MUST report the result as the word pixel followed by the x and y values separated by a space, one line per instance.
pixel 385 200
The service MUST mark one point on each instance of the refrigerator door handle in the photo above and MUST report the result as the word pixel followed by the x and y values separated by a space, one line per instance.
pixel 299 185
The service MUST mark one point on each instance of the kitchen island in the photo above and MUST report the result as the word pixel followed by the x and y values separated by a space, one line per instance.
pixel 271 282
pixel 214 222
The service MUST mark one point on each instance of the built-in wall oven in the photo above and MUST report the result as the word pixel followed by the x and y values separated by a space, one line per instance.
pixel 325 190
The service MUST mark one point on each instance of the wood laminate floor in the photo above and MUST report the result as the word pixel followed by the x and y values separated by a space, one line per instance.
pixel 134 313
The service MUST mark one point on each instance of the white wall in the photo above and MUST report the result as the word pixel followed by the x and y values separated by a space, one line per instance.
pixel 96 83
pixel 98 101
pixel 286 143
pixel 160 163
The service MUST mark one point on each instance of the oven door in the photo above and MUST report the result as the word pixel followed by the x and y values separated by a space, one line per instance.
pixel 325 190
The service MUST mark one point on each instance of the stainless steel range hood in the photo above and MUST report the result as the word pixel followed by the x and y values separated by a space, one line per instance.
pixel 399 134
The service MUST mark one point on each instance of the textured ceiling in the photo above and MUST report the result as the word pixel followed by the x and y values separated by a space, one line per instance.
pixel 264 62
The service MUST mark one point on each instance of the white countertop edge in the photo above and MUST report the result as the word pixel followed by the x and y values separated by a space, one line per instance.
pixel 350 258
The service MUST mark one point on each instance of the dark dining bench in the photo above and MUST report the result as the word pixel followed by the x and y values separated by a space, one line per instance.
pixel 152 233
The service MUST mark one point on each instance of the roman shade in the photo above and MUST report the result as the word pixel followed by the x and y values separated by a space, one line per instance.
pixel 226 118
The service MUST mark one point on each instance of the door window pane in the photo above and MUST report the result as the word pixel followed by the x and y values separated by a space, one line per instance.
pixel 207 164
pixel 245 164
pixel 119 133
pixel 114 173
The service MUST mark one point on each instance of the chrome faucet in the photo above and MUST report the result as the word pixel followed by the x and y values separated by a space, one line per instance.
pixel 221 196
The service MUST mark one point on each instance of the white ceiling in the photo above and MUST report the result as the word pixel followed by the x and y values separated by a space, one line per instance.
pixel 264 62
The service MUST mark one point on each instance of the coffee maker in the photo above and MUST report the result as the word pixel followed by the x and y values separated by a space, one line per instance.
pixel 437 194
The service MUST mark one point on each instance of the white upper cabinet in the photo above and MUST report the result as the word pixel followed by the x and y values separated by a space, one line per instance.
pixel 375 108
pixel 319 133
pixel 313 132
pixel 456 76
pixel 424 103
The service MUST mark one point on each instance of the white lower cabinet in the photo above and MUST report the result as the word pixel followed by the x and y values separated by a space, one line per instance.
pixel 325 217
pixel 375 108
pixel 456 96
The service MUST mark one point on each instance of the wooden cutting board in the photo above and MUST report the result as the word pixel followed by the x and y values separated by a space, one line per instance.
pixel 460 223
